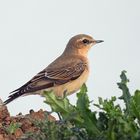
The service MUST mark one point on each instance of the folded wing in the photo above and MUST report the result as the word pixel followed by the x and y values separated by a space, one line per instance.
pixel 50 77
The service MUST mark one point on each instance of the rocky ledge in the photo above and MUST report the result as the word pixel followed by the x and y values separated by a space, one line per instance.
pixel 14 127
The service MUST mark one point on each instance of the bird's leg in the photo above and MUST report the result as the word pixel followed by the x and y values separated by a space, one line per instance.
pixel 64 93
pixel 59 116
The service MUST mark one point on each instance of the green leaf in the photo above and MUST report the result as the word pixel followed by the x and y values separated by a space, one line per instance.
pixel 89 118
pixel 57 104
pixel 126 96
pixel 135 105
pixel 62 106
pixel 83 102
pixel 12 127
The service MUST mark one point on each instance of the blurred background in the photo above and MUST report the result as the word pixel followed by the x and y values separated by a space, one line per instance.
pixel 33 33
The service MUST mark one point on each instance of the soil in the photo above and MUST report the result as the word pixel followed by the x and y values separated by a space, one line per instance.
pixel 25 121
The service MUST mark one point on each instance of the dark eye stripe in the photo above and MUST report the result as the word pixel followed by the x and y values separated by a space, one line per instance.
pixel 85 41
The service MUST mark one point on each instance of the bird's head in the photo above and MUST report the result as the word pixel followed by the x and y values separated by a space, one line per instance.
pixel 80 44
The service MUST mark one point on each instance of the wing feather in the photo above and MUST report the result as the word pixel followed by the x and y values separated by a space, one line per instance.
pixel 50 77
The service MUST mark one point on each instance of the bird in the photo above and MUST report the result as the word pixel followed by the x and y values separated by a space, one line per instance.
pixel 67 73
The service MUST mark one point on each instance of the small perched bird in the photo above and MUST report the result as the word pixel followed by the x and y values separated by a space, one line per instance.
pixel 67 73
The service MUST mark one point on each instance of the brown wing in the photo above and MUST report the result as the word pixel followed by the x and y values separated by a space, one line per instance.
pixel 50 77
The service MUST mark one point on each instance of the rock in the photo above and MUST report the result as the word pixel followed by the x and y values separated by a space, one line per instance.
pixel 3 112
pixel 1 137
pixel 1 102
pixel 40 115
pixel 18 133
pixel 26 122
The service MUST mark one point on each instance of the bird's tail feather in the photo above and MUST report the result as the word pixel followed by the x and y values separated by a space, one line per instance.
pixel 13 97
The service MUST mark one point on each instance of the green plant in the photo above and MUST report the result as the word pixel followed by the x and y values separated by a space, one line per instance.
pixel 78 122
pixel 12 127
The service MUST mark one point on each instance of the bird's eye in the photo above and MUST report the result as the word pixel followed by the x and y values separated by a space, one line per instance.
pixel 85 41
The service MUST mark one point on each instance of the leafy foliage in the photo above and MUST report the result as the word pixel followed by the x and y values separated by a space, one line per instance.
pixel 78 122
pixel 12 127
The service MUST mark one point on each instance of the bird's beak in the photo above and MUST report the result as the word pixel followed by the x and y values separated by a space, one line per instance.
pixel 99 41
